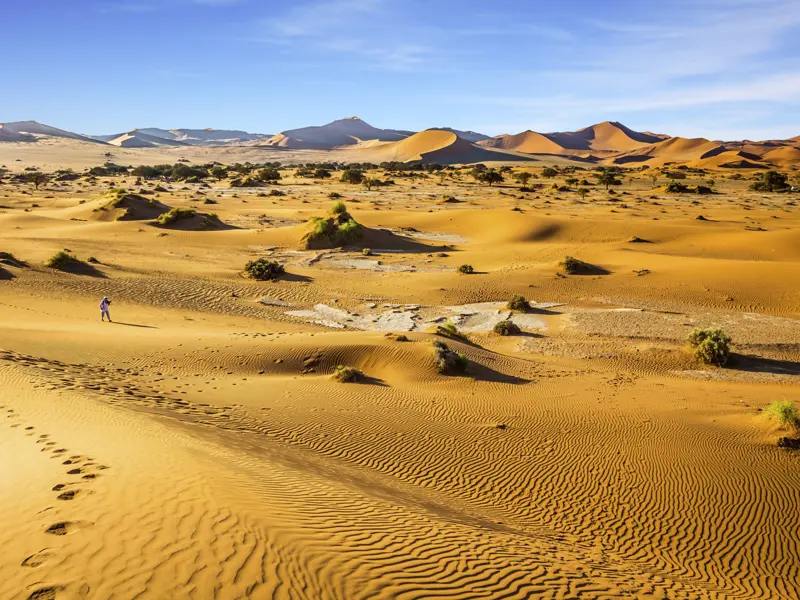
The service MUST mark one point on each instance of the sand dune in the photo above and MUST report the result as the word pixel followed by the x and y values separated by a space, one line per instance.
pixel 343 132
pixel 28 131
pixel 198 447
pixel 432 146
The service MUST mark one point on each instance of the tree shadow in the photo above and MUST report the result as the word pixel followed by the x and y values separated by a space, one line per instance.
pixel 757 364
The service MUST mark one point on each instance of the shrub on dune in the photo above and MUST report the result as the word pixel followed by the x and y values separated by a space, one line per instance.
pixel 711 346
pixel 518 302
pixel 176 214
pixel 63 260
pixel 572 265
pixel 263 269
pixel 506 328
pixel 785 412
pixel 448 361
pixel 344 374
pixel 338 229
pixel 465 269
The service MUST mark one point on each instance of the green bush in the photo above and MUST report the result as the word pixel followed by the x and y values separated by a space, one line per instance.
pixel 176 214
pixel 63 260
pixel 466 269
pixel 448 361
pixel 347 374
pixel 711 346
pixel 572 265
pixel 785 412
pixel 339 208
pixel 339 229
pixel 518 302
pixel 506 328
pixel 263 269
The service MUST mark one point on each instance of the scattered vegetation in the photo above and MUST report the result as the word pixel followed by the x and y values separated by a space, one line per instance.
pixel 447 360
pixel 785 412
pixel 572 265
pixel 771 181
pixel 711 346
pixel 263 269
pixel 63 261
pixel 176 214
pixel 465 269
pixel 518 302
pixel 344 374
pixel 338 229
pixel 506 327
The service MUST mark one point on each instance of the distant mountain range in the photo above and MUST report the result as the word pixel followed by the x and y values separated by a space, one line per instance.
pixel 610 143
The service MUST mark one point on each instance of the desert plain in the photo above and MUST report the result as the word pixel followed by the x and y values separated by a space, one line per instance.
pixel 199 446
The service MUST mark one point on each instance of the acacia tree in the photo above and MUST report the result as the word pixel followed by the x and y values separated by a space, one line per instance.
pixel 37 178
pixel 523 178
pixel 353 176
pixel 490 177
pixel 607 178
pixel 549 172
pixel 582 193
pixel 370 182
pixel 219 173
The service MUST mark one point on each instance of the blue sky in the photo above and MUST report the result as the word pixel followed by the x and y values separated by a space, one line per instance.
pixel 724 69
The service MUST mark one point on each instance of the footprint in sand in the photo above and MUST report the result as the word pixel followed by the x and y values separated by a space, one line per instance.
pixel 45 593
pixel 66 527
pixel 37 560
pixel 68 494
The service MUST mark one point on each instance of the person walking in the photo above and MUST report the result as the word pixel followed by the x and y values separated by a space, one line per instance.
pixel 104 304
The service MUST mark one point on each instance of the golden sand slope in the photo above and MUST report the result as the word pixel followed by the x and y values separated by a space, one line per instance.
pixel 198 448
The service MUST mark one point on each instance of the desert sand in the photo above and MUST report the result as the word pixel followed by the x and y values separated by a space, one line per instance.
pixel 198 446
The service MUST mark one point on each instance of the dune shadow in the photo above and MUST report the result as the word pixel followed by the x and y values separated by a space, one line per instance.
pixel 82 268
pixel 6 274
pixel 481 372
pixel 585 269
pixel 757 364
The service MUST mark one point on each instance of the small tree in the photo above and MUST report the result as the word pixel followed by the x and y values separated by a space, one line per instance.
pixel 771 181
pixel 490 177
pixel 549 172
pixel 371 182
pixel 269 174
pixel 219 173
pixel 322 174
pixel 582 192
pixel 607 178
pixel 36 178
pixel 523 178
pixel 353 176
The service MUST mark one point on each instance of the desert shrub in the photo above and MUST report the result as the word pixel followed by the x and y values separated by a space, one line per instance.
pixel 447 360
pixel 711 346
pixel 276 193
pixel 175 214
pixel 402 338
pixel 465 269
pixel 517 302
pixel 209 201
pixel 348 232
pixel 771 181
pixel 268 174
pixel 92 260
pixel 353 176
pixel 703 190
pixel 347 374
pixel 785 412
pixel 62 260
pixel 676 188
pixel 448 328
pixel 334 195
pixel 339 229
pixel 506 328
pixel 572 265
pixel 367 252
pixel 263 269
